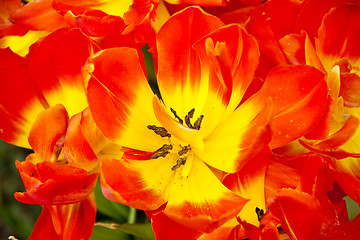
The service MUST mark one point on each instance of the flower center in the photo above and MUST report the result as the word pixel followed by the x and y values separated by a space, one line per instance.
pixel 183 153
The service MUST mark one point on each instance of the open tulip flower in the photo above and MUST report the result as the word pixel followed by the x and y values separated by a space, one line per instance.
pixel 199 129
pixel 243 125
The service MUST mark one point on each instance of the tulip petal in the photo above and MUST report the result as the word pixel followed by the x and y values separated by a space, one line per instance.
pixel 74 221
pixel 229 57
pixel 55 65
pixel 118 87
pixel 179 72
pixel 338 36
pixel 293 208
pixel 49 127
pixel 299 95
pixel 39 15
pixel 50 183
pixel 200 201
pixel 244 134
pixel 19 106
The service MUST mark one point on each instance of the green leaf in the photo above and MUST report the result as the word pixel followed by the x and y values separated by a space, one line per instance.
pixel 143 231
pixel 104 233
pixel 113 210
pixel 352 207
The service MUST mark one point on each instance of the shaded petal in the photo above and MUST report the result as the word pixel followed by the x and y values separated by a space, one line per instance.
pixel 49 127
pixel 199 2
pixel 19 106
pixel 236 140
pixel 299 95
pixel 74 221
pixel 200 201
pixel 165 228
pixel 300 50
pixel 55 65
pixel 179 72
pixel 249 183
pixel 294 209
pixel 49 183
pixel 39 15
pixel 77 150
pixel 120 99
pixel 344 231
pixel 337 144
pixel 117 8
pixel 139 184
pixel 271 21
pixel 338 36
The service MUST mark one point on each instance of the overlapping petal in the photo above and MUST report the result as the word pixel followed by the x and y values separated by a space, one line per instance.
pixel 49 127
pixel 229 57
pixel 74 221
pixel 49 183
pixel 120 99
pixel 189 200
pixel 16 117
pixel 293 208
pixel 298 102
pixel 181 84
pixel 46 77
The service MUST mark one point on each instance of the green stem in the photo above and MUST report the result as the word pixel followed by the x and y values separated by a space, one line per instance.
pixel 132 216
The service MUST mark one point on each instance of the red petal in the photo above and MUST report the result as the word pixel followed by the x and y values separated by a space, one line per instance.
pixel 49 126
pixel 39 15
pixel 335 144
pixel 350 89
pixel 179 71
pixel 120 99
pixel 300 95
pixel 77 150
pixel 199 2
pixel 339 33
pixel 165 228
pixel 56 63
pixel 16 117
pixel 73 222
pixel 249 183
pixel 231 57
pixel 270 22
pixel 50 183
pixel 300 214
pixel 344 231
pixel 138 184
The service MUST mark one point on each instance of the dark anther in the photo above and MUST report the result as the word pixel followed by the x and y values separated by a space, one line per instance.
pixel 260 213
pixel 184 150
pixel 188 117
pixel 178 164
pixel 162 152
pixel 263 1
pixel 197 123
pixel 159 131
pixel 176 116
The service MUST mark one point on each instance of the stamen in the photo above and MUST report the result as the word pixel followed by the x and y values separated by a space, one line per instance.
pixel 178 164
pixel 188 117
pixel 260 213
pixel 184 150
pixel 163 151
pixel 176 116
pixel 159 131
pixel 197 123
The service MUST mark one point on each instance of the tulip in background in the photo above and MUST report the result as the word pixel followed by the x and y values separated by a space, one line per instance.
pixel 172 120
